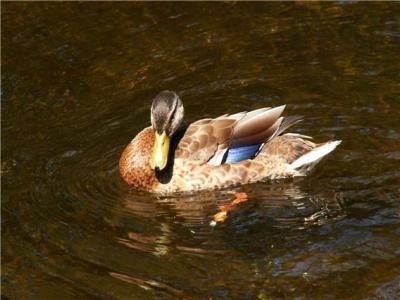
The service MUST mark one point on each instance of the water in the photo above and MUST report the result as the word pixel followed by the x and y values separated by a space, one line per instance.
pixel 77 83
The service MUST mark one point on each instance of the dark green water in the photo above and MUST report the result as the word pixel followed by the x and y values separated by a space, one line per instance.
pixel 77 82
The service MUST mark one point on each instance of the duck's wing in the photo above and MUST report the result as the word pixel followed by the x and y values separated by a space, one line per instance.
pixel 204 138
pixel 232 138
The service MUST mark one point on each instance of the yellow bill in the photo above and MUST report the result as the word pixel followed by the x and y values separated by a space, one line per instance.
pixel 159 157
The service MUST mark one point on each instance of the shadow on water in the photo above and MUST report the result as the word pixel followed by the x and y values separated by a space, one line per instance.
pixel 77 83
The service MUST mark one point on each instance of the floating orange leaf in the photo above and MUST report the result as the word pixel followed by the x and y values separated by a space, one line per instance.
pixel 224 209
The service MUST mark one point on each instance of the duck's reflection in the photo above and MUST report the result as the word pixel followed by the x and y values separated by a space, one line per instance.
pixel 182 223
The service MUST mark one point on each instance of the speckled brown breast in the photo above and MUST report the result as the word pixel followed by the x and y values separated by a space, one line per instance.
pixel 134 162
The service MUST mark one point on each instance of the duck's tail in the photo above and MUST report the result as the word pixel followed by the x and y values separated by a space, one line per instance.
pixel 306 162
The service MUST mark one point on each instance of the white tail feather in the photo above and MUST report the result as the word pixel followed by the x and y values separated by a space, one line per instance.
pixel 307 161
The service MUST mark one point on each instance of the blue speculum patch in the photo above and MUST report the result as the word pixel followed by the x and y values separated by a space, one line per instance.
pixel 241 153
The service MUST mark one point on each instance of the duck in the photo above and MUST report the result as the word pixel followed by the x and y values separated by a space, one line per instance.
pixel 215 153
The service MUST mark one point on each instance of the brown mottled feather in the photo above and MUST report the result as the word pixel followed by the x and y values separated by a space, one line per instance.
pixel 203 138
pixel 134 162
pixel 288 147
pixel 241 129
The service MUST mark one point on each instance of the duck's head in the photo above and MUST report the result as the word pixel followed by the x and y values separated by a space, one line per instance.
pixel 166 117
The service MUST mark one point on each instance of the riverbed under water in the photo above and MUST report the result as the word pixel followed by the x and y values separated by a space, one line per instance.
pixel 77 83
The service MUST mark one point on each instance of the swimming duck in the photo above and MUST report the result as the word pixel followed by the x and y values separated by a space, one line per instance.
pixel 229 150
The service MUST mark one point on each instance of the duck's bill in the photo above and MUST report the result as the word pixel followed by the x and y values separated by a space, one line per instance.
pixel 159 157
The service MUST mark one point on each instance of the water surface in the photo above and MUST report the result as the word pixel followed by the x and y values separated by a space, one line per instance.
pixel 77 83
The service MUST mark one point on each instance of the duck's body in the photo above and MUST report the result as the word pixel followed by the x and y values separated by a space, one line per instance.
pixel 217 153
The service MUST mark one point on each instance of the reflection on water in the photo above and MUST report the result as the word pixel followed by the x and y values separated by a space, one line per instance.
pixel 282 207
pixel 77 83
